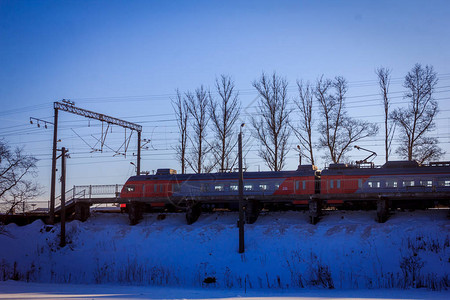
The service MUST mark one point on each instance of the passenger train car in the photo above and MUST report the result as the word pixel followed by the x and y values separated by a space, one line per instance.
pixel 399 180
pixel 397 183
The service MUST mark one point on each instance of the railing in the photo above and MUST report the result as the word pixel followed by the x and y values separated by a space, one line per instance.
pixel 95 191
pixel 90 192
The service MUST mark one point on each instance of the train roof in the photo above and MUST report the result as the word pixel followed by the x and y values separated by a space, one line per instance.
pixel 301 171
pixel 390 167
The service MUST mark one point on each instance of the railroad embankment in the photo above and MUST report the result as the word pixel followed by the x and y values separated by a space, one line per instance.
pixel 345 250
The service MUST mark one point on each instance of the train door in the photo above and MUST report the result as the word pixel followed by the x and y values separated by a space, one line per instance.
pixel 317 182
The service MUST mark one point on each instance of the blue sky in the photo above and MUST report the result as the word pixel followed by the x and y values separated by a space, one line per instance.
pixel 126 58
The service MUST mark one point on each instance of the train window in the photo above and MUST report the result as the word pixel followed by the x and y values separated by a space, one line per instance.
pixel 248 187
pixel 263 187
pixel 338 184
pixel 359 183
pixel 129 188
pixel 176 187
pixel 204 187
pixel 155 188
pixel 444 182
pixel 297 185
pixel 427 183
pixel 408 183
pixel 391 183
pixel 161 188
pixel 234 187
pixel 304 185
pixel 374 184
pixel 218 188
pixel 277 186
pixel 331 184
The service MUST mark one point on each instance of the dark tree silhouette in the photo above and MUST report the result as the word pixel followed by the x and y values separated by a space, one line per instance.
pixel 271 124
pixel 417 119
pixel 384 80
pixel 337 130
pixel 224 113
pixel 180 107
pixel 303 130
pixel 15 186
pixel 198 109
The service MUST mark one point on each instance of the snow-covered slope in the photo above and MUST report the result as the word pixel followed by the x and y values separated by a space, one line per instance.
pixel 344 250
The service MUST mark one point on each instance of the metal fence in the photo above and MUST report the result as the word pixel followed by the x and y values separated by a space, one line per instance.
pixel 93 191
pixel 89 192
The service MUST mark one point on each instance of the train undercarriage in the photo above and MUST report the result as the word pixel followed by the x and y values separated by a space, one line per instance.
pixel 383 204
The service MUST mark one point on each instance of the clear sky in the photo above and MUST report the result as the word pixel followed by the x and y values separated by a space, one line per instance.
pixel 126 58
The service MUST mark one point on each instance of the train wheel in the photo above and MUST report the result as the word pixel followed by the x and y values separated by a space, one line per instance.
pixel 135 211
pixel 252 211
pixel 382 210
pixel 193 211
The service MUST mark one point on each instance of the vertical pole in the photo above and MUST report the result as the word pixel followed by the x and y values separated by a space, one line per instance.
pixel 241 196
pixel 138 167
pixel 53 183
pixel 63 198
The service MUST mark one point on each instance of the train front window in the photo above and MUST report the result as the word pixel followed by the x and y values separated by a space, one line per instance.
pixel 130 188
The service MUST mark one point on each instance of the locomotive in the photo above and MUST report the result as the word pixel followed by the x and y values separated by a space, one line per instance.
pixel 404 184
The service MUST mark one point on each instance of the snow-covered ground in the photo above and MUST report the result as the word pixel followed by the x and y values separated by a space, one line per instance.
pixel 285 256
pixel 22 290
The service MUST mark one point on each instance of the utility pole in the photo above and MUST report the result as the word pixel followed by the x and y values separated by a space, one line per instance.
pixel 138 167
pixel 62 243
pixel 53 183
pixel 241 194
pixel 70 107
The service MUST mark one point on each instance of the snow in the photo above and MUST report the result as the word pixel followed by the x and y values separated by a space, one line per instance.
pixel 284 256
pixel 21 290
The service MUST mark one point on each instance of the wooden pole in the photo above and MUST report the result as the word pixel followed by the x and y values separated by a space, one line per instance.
pixel 53 183
pixel 63 198
pixel 241 196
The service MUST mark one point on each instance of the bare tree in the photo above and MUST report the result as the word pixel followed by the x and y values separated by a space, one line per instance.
pixel 180 107
pixel 418 118
pixel 15 186
pixel 224 114
pixel 384 80
pixel 337 130
pixel 304 129
pixel 198 110
pixel 271 125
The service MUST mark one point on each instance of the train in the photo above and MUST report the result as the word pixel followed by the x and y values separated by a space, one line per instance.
pixel 396 184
